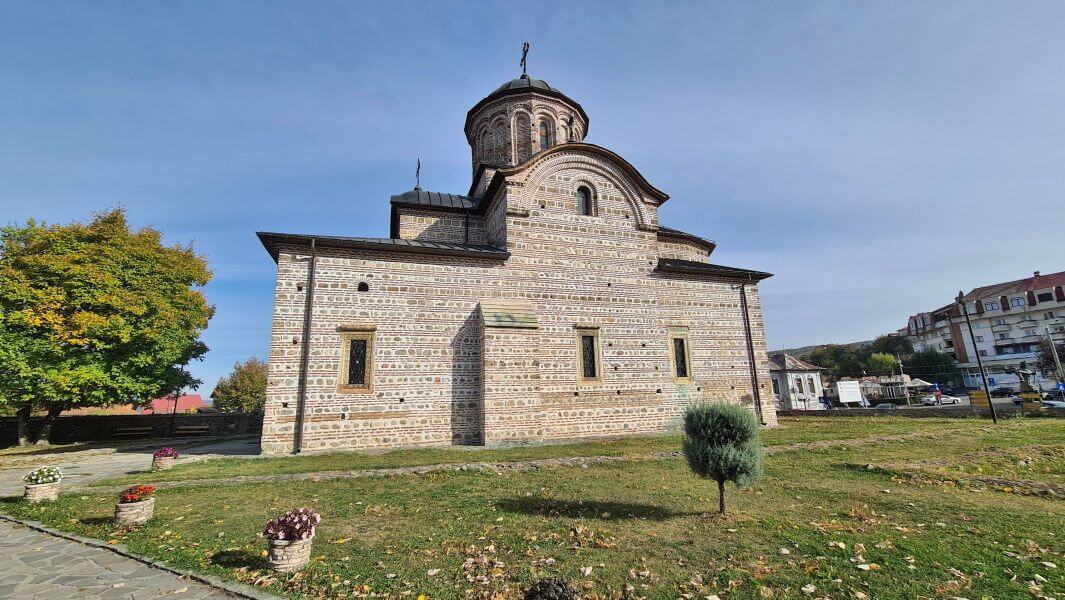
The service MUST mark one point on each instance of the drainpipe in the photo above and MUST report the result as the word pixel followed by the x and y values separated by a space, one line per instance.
pixel 750 352
pixel 305 352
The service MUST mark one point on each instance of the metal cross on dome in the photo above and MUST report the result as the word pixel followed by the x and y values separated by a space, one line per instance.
pixel 524 54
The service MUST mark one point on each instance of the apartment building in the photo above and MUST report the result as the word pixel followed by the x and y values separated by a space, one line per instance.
pixel 1009 319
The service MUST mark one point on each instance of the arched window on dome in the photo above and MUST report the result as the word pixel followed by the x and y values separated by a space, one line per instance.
pixel 585 204
pixel 545 134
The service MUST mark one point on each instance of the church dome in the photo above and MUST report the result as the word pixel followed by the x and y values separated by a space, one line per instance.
pixel 520 118
pixel 525 85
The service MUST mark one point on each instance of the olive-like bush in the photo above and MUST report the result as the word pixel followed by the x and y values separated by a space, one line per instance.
pixel 721 443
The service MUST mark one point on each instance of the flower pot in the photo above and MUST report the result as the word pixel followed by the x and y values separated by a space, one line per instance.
pixel 134 513
pixel 163 463
pixel 41 492
pixel 287 555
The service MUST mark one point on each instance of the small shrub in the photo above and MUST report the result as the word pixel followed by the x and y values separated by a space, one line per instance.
pixel 166 452
pixel 721 443
pixel 43 475
pixel 294 525
pixel 136 493
pixel 551 589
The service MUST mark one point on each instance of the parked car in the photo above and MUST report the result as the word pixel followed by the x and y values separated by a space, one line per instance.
pixel 944 399
pixel 947 391
pixel 1054 403
pixel 1003 392
pixel 1054 395
pixel 887 406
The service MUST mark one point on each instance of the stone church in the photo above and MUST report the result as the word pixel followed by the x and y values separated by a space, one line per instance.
pixel 546 303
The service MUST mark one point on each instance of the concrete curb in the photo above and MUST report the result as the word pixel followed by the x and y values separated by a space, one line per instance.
pixel 237 590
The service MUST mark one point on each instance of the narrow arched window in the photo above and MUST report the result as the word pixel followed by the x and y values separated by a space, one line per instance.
pixel 584 201
pixel 545 135
pixel 363 286
pixel 571 136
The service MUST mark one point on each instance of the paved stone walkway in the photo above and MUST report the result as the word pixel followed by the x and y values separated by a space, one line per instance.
pixel 82 467
pixel 38 565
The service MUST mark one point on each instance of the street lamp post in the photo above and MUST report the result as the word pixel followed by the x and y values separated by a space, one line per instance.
pixel 979 362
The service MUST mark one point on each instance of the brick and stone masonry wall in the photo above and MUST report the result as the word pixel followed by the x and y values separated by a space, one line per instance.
pixel 431 345
pixel 441 226
pixel 682 250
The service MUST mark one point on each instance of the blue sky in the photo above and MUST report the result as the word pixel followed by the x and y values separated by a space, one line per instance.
pixel 876 156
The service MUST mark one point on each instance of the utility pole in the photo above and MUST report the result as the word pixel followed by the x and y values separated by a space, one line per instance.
pixel 979 362
pixel 902 379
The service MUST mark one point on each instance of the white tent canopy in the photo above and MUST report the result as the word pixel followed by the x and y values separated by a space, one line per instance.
pixel 919 383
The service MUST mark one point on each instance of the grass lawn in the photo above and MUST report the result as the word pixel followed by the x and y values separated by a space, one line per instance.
pixel 820 517
pixel 792 430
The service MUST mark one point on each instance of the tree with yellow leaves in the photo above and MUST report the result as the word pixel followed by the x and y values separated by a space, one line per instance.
pixel 96 315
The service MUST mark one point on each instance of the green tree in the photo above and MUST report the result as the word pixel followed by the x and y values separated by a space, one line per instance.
pixel 721 443
pixel 1044 359
pixel 243 390
pixel 838 360
pixel 934 366
pixel 93 314
pixel 895 345
pixel 880 364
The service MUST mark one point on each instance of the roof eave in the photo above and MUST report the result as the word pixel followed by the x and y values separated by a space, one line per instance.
pixel 710 270
pixel 273 242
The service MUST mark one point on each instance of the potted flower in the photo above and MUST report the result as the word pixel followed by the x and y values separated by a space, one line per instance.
pixel 42 484
pixel 163 460
pixel 136 504
pixel 290 537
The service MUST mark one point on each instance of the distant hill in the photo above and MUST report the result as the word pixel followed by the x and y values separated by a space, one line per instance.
pixel 804 350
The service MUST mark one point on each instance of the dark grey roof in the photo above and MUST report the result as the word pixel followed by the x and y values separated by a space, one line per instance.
pixel 273 241
pixel 524 85
pixel 690 267
pixel 418 197
pixel 676 233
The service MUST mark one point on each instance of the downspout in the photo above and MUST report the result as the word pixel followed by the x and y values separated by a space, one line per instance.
pixel 750 352
pixel 305 352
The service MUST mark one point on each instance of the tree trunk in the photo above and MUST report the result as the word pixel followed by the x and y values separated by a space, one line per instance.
pixel 23 416
pixel 49 420
pixel 721 496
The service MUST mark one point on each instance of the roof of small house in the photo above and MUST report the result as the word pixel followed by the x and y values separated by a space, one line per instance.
pixel 787 362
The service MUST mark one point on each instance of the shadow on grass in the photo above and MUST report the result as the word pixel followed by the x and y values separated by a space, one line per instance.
pixel 94 521
pixel 588 509
pixel 866 469
pixel 235 559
